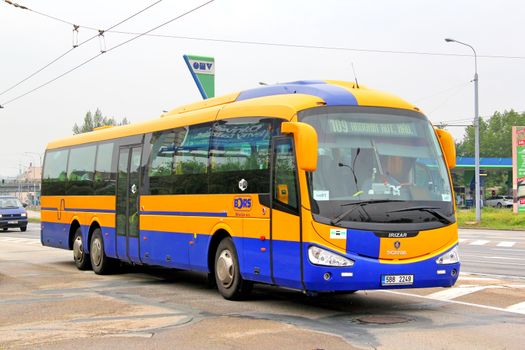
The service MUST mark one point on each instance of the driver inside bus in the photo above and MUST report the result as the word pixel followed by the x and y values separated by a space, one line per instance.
pixel 396 172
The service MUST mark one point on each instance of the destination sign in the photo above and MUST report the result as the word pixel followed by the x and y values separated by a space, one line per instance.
pixel 342 126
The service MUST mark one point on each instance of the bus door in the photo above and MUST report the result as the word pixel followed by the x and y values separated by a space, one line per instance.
pixel 286 237
pixel 128 193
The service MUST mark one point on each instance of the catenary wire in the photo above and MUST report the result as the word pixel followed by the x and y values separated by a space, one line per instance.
pixel 318 47
pixel 101 53
pixel 274 44
pixel 74 47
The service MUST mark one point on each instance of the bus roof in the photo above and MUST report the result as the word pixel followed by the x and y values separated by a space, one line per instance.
pixel 279 100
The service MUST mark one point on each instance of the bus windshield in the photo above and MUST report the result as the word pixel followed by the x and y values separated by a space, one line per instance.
pixel 378 165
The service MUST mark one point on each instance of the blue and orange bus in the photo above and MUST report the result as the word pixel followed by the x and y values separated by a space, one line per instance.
pixel 319 186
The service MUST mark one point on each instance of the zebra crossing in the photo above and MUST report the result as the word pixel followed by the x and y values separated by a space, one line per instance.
pixel 484 242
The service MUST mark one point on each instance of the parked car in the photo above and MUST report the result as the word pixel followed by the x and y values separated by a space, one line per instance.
pixel 499 201
pixel 12 214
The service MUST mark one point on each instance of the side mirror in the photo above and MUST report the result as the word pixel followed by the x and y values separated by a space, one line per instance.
pixel 305 138
pixel 24 205
pixel 448 146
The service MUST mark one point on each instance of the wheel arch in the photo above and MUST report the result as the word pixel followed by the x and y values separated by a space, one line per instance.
pixel 217 237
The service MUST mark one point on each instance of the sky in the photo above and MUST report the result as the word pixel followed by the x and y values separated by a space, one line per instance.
pixel 142 78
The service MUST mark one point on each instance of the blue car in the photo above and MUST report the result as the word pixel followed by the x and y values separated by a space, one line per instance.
pixel 12 214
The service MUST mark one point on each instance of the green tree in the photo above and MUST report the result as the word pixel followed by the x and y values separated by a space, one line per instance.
pixel 495 140
pixel 94 121
pixel 495 136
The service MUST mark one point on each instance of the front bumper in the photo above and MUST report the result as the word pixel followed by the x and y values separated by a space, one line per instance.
pixel 367 274
pixel 13 223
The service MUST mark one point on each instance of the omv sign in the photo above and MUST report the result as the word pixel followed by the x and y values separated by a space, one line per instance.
pixel 202 67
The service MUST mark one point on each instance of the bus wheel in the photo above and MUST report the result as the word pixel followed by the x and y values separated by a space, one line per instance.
pixel 227 275
pixel 79 255
pixel 99 261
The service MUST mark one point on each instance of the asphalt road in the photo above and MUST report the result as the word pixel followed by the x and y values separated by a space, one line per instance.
pixel 46 303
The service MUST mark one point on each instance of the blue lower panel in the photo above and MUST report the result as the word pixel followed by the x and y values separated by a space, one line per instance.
pixel 366 274
pixel 54 235
pixel 170 249
pixel 287 264
pixel 254 259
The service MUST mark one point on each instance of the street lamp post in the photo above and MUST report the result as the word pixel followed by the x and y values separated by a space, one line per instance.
pixel 477 194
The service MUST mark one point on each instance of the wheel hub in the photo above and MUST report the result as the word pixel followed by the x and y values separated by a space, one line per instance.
pixel 225 268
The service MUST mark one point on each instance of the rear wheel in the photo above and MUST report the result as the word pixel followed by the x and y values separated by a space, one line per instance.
pixel 100 263
pixel 80 257
pixel 5 229
pixel 499 205
pixel 23 228
pixel 227 275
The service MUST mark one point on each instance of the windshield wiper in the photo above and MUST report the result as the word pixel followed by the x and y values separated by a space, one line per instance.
pixel 355 205
pixel 430 210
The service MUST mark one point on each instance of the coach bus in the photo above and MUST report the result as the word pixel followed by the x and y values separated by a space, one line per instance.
pixel 318 186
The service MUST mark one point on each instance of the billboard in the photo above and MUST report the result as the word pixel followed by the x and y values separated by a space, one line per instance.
pixel 518 168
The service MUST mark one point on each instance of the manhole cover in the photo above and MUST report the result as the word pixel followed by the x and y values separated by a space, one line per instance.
pixel 382 319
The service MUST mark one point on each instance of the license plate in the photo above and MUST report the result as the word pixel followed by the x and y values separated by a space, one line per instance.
pixel 12 222
pixel 397 280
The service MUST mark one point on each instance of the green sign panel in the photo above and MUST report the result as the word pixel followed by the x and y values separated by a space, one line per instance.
pixel 202 70
pixel 518 167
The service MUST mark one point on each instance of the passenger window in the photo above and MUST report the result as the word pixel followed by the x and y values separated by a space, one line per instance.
pixel 55 173
pixel 240 150
pixel 105 179
pixel 285 175
pixel 80 171
pixel 161 163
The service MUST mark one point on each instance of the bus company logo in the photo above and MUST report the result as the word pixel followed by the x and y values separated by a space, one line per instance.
pixel 397 244
pixel 397 235
pixel 242 203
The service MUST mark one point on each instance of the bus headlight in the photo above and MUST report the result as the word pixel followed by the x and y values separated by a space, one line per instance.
pixel 23 215
pixel 450 257
pixel 319 256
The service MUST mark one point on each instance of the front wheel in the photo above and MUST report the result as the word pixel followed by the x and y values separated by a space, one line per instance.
pixel 499 205
pixel 227 275
pixel 100 263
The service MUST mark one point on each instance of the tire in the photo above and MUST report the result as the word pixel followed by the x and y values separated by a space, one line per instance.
pixel 23 228
pixel 499 205
pixel 227 273
pixel 5 229
pixel 100 263
pixel 82 260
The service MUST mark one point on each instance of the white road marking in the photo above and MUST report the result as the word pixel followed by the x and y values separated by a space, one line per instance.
pixel 457 292
pixel 449 301
pixel 503 258
pixel 479 242
pixel 506 244
pixel 519 308
pixel 461 240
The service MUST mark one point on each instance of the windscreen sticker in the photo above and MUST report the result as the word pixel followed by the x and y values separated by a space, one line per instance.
pixel 446 197
pixel 337 233
pixel 321 195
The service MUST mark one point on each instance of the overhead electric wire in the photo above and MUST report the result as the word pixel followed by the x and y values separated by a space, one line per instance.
pixel 75 46
pixel 318 47
pixel 101 53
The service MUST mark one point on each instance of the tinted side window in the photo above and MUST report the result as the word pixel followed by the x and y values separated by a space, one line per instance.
pixel 285 176
pixel 105 179
pixel 80 170
pixel 240 150
pixel 178 162
pixel 55 175
pixel 160 169
pixel 190 164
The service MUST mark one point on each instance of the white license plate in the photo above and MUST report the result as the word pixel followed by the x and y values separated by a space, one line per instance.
pixel 12 222
pixel 397 280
